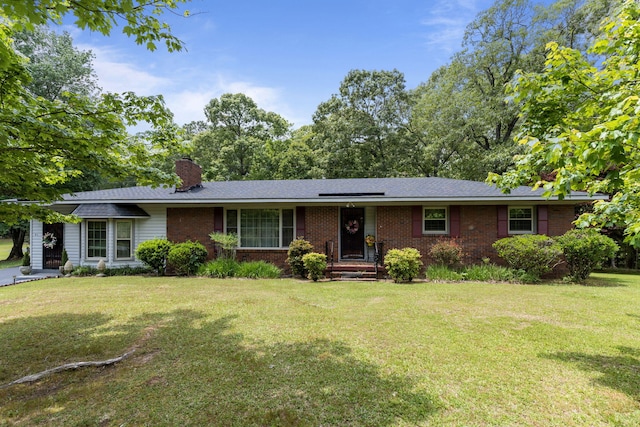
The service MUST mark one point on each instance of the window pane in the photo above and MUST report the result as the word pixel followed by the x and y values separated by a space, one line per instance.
pixel 123 230
pixel 96 239
pixel 123 249
pixel 287 226
pixel 435 220
pixel 520 219
pixel 260 228
pixel 232 221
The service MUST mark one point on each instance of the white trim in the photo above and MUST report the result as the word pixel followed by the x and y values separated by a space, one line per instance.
pixel 533 220
pixel 131 239
pixel 86 239
pixel 280 227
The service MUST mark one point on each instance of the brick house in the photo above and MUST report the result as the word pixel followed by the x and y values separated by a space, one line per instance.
pixel 335 215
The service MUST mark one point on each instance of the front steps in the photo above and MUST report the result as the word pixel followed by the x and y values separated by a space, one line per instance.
pixel 358 271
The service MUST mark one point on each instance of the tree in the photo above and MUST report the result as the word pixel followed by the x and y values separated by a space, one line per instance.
pixel 581 128
pixel 462 121
pixel 233 146
pixel 363 129
pixel 44 143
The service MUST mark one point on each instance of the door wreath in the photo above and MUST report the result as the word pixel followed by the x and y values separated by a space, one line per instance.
pixel 352 226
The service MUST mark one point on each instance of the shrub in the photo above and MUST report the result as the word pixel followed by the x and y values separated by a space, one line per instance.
pixel 443 273
pixel 26 258
pixel 446 252
pixel 489 273
pixel 153 253
pixel 65 257
pixel 585 250
pixel 403 265
pixel 220 268
pixel 227 243
pixel 84 270
pixel 297 249
pixel 315 264
pixel 126 271
pixel 185 258
pixel 533 253
pixel 258 270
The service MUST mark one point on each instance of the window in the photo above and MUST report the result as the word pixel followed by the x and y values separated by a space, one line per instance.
pixel 124 239
pixel 521 220
pixel 435 221
pixel 96 239
pixel 261 228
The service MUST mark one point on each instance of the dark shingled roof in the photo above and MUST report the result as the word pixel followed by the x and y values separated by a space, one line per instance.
pixel 109 210
pixel 379 190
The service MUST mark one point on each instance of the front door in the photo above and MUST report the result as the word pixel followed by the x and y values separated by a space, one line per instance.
pixel 53 250
pixel 352 233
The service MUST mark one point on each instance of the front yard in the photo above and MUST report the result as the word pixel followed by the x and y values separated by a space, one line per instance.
pixel 291 353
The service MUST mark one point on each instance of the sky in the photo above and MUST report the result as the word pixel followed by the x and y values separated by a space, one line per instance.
pixel 287 55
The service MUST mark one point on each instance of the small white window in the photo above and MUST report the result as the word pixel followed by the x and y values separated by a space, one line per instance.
pixel 521 220
pixel 436 220
pixel 124 239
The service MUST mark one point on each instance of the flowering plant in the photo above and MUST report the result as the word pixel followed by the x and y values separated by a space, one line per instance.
pixel 370 239
pixel 49 240
pixel 352 226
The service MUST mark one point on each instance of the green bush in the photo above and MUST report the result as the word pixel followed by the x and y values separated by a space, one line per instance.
pixel 297 249
pixel 443 273
pixel 185 258
pixel 447 252
pixel 153 253
pixel 489 273
pixel 227 244
pixel 585 250
pixel 315 264
pixel 65 257
pixel 220 268
pixel 258 270
pixel 84 270
pixel 403 265
pixel 26 258
pixel 533 253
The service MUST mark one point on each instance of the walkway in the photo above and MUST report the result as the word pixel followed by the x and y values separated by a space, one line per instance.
pixel 12 276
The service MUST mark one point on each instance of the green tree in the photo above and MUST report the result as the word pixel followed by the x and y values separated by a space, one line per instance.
pixel 462 122
pixel 581 128
pixel 233 146
pixel 44 143
pixel 363 129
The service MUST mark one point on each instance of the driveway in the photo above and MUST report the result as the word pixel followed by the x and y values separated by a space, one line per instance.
pixel 12 276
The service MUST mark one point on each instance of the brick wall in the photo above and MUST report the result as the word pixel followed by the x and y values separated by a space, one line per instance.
pixel 193 224
pixel 321 226
pixel 478 229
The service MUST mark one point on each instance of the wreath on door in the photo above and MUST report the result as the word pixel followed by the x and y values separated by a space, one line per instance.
pixel 352 226
pixel 49 240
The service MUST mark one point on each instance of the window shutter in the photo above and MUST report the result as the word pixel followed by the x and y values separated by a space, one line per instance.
pixel 454 221
pixel 416 221
pixel 218 220
pixel 300 222
pixel 543 219
pixel 503 221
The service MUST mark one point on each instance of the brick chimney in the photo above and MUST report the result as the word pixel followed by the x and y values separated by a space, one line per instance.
pixel 190 174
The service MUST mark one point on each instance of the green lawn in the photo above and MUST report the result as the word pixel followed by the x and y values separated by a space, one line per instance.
pixel 290 353
pixel 5 250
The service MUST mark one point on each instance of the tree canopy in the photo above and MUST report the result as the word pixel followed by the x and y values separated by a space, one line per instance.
pixel 581 125
pixel 49 137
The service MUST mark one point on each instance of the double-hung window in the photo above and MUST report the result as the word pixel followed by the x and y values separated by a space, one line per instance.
pixel 124 239
pixel 435 220
pixel 261 228
pixel 521 220
pixel 96 239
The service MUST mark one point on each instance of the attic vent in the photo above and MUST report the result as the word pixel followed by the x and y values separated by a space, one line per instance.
pixel 349 194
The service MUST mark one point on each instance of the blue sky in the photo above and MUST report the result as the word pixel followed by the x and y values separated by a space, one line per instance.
pixel 289 56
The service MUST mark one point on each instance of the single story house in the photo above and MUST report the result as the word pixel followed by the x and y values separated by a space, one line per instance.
pixel 333 214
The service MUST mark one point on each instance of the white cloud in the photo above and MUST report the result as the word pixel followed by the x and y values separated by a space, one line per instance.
pixel 447 22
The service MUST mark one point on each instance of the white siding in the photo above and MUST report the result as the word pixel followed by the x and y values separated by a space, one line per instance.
pixel 153 227
pixel 72 242
pixel 35 245
pixel 370 220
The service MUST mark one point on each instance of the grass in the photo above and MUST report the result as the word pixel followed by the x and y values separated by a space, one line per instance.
pixel 292 353
pixel 5 250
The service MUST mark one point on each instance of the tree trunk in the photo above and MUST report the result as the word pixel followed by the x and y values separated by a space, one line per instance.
pixel 17 236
